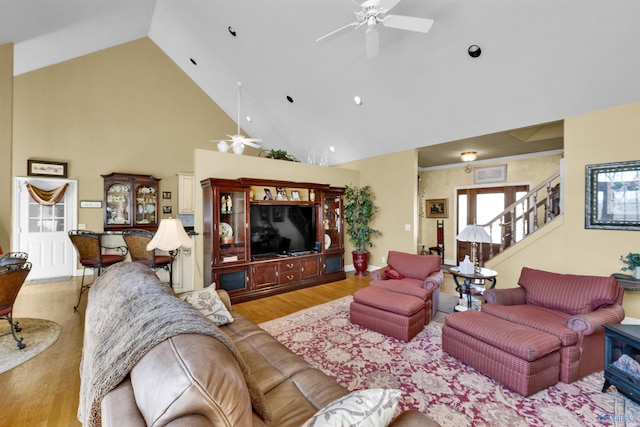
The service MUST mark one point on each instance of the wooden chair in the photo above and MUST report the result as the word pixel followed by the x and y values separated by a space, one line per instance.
pixel 137 241
pixel 439 247
pixel 12 277
pixel 90 252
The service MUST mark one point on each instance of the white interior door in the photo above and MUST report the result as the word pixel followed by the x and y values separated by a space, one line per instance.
pixel 41 231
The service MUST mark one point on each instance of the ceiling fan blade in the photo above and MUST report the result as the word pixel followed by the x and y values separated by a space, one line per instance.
pixel 421 25
pixel 251 144
pixel 373 45
pixel 338 31
pixel 388 4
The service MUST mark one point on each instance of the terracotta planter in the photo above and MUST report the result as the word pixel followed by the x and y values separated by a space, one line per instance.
pixel 360 262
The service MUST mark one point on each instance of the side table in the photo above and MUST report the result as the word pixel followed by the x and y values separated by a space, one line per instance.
pixel 484 274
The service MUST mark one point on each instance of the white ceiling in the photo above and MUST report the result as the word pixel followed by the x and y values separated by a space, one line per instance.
pixel 542 61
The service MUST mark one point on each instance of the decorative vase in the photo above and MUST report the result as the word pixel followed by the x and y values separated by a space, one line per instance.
pixel 360 262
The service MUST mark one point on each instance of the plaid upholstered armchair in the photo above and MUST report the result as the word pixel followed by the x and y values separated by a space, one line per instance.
pixel 571 307
pixel 417 275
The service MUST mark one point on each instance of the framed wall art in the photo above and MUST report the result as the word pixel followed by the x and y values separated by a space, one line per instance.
pixel 437 208
pixel 489 174
pixel 612 196
pixel 46 168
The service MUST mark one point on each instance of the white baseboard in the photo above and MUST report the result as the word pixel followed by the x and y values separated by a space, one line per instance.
pixel 630 321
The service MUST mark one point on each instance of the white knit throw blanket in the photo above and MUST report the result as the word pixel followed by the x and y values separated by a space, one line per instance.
pixel 129 312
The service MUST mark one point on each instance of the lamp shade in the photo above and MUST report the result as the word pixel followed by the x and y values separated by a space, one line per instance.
pixel 474 233
pixel 170 236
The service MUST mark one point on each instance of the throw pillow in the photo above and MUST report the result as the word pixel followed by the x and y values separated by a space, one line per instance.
pixel 209 304
pixel 392 274
pixel 363 408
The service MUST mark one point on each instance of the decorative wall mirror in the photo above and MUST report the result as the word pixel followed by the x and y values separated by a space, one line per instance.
pixel 613 196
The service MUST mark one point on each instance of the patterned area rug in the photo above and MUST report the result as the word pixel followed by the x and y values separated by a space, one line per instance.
pixel 38 335
pixel 435 383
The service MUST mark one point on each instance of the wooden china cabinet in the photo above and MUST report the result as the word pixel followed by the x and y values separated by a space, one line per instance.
pixel 263 237
pixel 130 201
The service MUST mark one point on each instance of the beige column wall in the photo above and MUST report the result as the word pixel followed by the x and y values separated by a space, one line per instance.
pixel 6 130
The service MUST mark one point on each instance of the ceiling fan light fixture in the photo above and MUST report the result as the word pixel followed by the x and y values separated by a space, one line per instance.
pixel 468 156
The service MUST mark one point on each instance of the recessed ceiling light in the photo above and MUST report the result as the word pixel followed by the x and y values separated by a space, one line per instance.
pixel 332 149
pixel 193 61
pixel 249 119
pixel 290 99
pixel 474 51
pixel 357 100
pixel 232 31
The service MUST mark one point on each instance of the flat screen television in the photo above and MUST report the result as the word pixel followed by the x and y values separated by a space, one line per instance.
pixel 281 229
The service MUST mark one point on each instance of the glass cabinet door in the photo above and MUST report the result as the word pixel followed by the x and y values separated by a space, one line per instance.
pixel 232 225
pixel 117 209
pixel 332 221
pixel 146 212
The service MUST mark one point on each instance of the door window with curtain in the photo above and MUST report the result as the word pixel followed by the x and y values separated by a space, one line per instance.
pixel 481 205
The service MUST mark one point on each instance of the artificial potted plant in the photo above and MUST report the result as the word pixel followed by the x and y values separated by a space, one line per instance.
pixel 359 210
pixel 632 262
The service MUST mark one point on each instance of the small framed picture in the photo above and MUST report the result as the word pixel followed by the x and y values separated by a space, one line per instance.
pixel 166 209
pixel 267 194
pixel 295 195
pixel 45 168
pixel 437 208
pixel 166 195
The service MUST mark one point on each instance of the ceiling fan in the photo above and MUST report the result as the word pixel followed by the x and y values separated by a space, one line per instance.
pixel 237 141
pixel 374 12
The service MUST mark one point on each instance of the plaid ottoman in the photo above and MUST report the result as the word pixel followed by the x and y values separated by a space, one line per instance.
pixel 524 359
pixel 398 315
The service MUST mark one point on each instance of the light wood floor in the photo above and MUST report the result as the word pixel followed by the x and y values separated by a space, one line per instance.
pixel 44 390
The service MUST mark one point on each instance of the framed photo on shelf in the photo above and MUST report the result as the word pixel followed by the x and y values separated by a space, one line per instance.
pixel 281 193
pixel 295 195
pixel 437 208
pixel 45 168
pixel 267 194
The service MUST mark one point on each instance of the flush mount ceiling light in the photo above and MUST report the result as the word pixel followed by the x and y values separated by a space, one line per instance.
pixel 468 156
pixel 357 100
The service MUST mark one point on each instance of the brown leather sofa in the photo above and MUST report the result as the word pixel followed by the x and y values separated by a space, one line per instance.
pixel 193 380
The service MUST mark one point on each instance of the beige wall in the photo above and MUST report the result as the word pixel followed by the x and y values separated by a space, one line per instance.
pixel 599 137
pixel 443 184
pixel 393 179
pixel 213 164
pixel 124 109
pixel 6 119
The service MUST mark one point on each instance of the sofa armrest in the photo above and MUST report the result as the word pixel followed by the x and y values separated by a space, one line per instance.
pixel 587 323
pixel 434 280
pixel 511 296
pixel 378 274
pixel 224 297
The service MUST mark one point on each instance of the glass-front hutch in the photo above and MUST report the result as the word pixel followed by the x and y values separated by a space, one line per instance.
pixel 130 201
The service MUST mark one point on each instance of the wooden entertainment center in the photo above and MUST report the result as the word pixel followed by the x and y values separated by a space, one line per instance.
pixel 263 237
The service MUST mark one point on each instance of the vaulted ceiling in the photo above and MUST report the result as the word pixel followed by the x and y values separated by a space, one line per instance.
pixel 542 61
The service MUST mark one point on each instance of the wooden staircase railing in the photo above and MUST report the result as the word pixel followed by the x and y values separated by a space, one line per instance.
pixel 525 216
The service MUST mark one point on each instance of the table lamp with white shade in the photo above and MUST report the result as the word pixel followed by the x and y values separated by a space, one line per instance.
pixel 170 237
pixel 474 234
